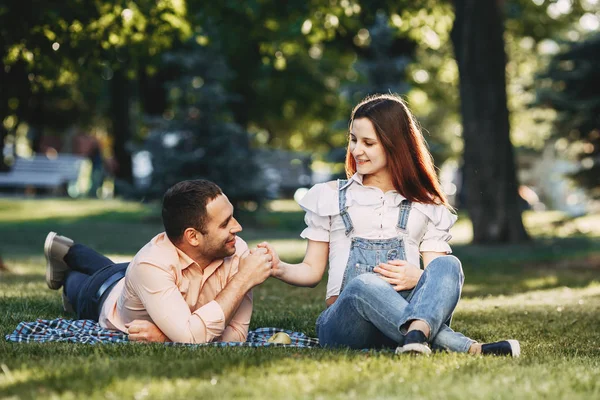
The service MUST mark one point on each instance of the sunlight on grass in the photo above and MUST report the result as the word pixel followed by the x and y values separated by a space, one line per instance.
pixel 283 206
pixel 563 296
pixel 545 294
pixel 462 231
pixel 288 249
pixel 536 283
pixel 38 210
pixel 557 224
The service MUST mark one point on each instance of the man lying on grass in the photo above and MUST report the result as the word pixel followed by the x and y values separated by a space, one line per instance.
pixel 190 284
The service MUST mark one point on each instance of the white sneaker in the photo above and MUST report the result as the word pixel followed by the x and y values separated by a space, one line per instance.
pixel 56 248
pixel 415 342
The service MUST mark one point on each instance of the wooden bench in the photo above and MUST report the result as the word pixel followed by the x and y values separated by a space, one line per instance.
pixel 41 172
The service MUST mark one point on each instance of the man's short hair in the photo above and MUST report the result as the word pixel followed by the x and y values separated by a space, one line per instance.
pixel 184 206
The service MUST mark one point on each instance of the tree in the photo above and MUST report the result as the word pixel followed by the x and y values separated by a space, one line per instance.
pixel 74 44
pixel 201 138
pixel 570 86
pixel 489 167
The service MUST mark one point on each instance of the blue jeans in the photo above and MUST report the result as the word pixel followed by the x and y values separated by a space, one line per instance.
pixel 89 271
pixel 370 314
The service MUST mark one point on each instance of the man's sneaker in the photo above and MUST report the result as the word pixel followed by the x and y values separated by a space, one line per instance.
pixel 67 306
pixel 503 348
pixel 414 342
pixel 56 248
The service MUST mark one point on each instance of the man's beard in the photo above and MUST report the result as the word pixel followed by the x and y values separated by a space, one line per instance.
pixel 223 252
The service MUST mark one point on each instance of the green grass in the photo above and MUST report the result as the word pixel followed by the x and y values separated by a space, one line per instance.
pixel 545 293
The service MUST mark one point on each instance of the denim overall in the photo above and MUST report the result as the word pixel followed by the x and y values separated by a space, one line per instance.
pixel 369 313
pixel 366 254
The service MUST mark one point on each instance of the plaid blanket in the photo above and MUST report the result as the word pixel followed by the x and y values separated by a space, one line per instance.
pixel 88 331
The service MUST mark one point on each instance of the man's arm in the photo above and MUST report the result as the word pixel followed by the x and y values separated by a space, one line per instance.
pixel 236 289
pixel 171 314
pixel 237 330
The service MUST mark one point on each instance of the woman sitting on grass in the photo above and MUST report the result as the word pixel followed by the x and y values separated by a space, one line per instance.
pixel 371 228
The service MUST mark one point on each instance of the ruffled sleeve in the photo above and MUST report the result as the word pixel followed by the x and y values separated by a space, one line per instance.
pixel 320 203
pixel 437 233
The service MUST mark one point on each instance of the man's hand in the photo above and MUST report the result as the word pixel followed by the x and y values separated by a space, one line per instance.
pixel 145 331
pixel 275 270
pixel 400 274
pixel 254 267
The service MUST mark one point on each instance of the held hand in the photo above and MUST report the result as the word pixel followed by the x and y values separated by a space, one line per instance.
pixel 275 270
pixel 145 331
pixel 400 274
pixel 254 266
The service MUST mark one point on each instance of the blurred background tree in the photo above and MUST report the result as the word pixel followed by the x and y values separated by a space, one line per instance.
pixel 570 86
pixel 284 75
pixel 55 59
pixel 489 175
pixel 199 136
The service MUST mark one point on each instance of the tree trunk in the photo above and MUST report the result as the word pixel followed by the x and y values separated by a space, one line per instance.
pixel 36 121
pixel 121 129
pixel 3 112
pixel 489 168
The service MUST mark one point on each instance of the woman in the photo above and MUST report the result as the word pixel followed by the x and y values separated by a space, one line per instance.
pixel 371 228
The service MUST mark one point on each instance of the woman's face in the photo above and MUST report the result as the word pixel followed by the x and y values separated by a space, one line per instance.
pixel 366 148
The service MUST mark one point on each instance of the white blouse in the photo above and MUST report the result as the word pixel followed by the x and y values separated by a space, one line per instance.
pixel 374 215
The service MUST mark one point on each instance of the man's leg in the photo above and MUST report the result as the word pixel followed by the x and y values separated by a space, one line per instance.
pixel 85 259
pixel 88 292
pixel 72 286
pixel 63 255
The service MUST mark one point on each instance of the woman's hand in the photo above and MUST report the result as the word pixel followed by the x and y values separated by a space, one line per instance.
pixel 145 331
pixel 400 274
pixel 275 270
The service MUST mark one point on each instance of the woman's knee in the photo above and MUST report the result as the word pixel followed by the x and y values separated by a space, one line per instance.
pixel 449 265
pixel 366 284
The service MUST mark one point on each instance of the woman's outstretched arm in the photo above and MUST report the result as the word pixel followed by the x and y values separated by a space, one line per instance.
pixel 307 273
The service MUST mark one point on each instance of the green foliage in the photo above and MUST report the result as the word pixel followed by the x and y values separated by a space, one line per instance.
pixel 570 86
pixel 200 139
pixel 56 56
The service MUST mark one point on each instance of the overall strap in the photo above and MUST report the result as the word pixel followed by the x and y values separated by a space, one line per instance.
pixel 404 211
pixel 342 206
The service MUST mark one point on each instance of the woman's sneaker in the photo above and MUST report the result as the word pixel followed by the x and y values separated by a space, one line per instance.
pixel 56 248
pixel 503 348
pixel 415 342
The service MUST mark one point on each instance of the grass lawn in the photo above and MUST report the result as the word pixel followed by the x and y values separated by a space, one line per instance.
pixel 545 293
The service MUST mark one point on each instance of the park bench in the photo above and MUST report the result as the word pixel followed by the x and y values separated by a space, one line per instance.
pixel 41 172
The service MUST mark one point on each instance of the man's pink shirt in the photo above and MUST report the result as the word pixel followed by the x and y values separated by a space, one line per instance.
pixel 165 286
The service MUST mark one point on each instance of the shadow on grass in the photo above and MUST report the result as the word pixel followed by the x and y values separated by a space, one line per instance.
pixel 490 270
pixel 85 369
pixel 538 265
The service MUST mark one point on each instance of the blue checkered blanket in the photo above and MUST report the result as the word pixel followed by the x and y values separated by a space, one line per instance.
pixel 88 331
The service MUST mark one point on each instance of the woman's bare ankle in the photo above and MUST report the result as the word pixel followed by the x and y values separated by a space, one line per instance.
pixel 419 326
pixel 475 349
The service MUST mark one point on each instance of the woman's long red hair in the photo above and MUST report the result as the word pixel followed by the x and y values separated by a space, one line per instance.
pixel 409 160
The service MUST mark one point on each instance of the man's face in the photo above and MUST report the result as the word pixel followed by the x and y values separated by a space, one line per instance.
pixel 221 229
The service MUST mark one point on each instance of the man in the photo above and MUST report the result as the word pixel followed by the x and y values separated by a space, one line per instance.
pixel 191 283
